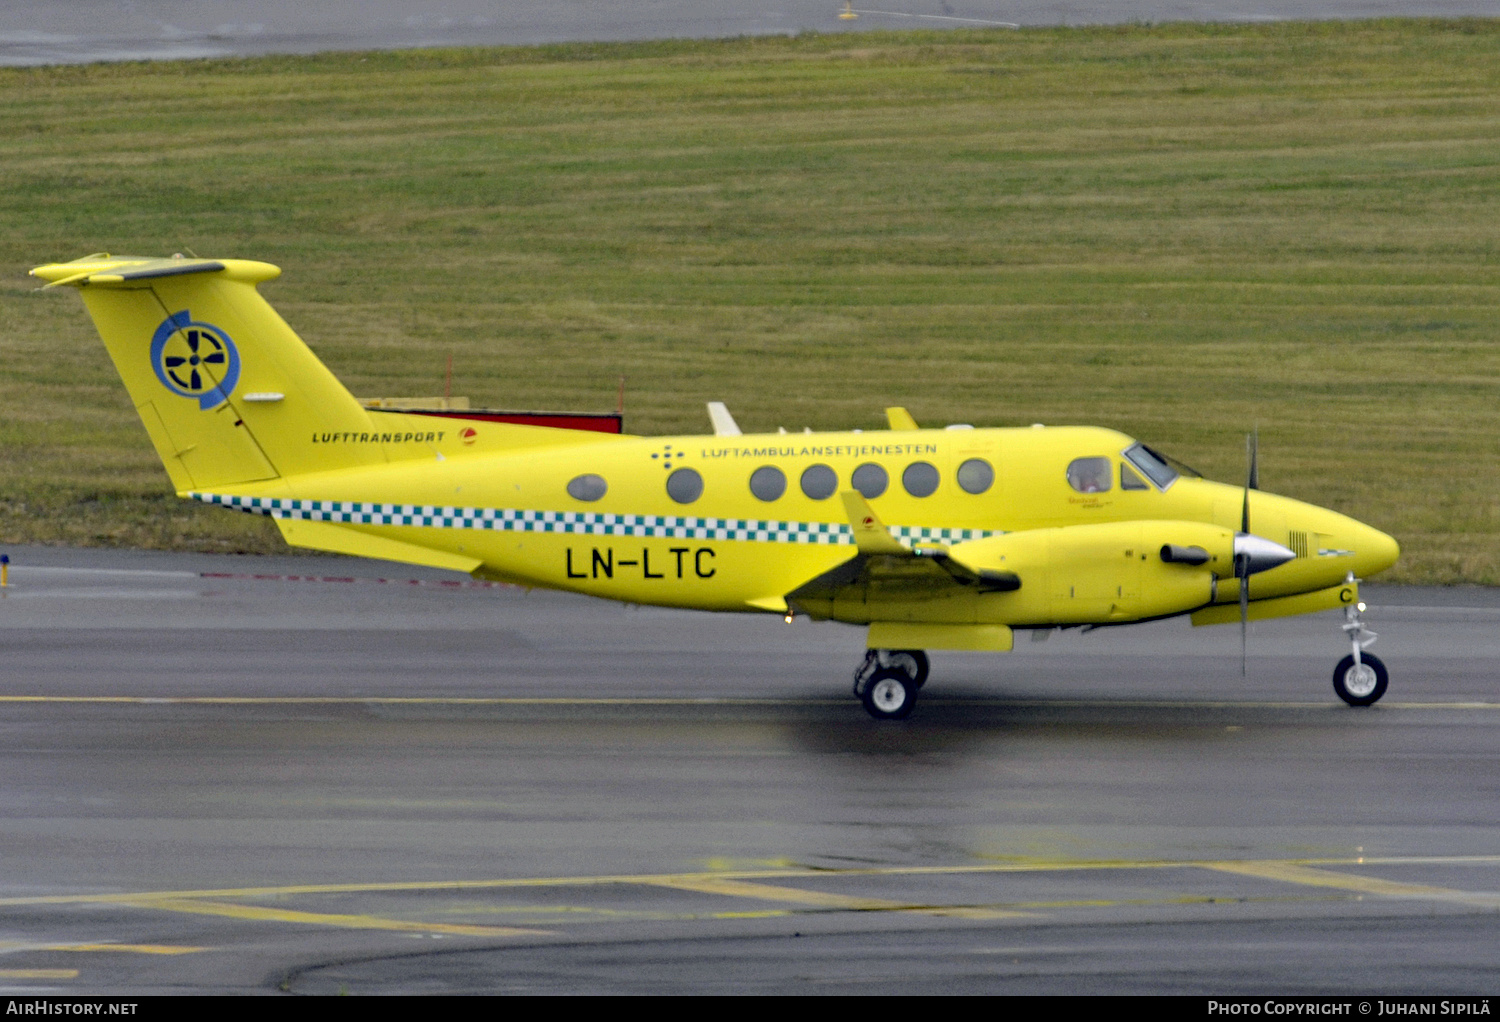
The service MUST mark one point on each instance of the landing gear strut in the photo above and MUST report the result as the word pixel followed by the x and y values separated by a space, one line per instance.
pixel 1360 678
pixel 888 681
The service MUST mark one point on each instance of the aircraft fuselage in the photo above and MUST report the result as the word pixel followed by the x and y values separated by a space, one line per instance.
pixel 722 547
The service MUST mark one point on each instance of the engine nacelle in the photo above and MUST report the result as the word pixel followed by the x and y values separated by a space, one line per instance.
pixel 1113 571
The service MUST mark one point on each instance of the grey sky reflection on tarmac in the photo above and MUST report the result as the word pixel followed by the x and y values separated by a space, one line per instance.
pixel 36 32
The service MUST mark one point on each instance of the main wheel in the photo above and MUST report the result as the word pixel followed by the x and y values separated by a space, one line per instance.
pixel 889 694
pixel 1363 684
pixel 912 661
pixel 867 667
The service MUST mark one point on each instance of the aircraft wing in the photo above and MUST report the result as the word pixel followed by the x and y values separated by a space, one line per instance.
pixel 884 569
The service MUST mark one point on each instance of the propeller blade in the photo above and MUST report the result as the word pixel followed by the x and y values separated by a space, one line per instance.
pixel 1244 617
pixel 1250 480
pixel 1243 560
pixel 1252 476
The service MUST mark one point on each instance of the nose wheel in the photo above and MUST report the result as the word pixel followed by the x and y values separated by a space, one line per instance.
pixel 888 681
pixel 1360 684
pixel 1360 678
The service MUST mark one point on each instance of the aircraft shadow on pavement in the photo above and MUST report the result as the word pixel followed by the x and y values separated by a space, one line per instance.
pixel 968 723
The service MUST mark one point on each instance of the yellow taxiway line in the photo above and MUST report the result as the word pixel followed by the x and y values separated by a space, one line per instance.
pixel 135 949
pixel 1296 873
pixel 342 921
pixel 1285 867
pixel 38 973
pixel 823 899
pixel 753 885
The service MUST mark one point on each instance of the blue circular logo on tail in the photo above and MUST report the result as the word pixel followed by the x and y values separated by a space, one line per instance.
pixel 195 360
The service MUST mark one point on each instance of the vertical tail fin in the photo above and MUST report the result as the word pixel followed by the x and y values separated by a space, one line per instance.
pixel 227 391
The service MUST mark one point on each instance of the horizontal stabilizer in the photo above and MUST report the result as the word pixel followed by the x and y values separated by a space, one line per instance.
pixel 104 270
pixel 340 540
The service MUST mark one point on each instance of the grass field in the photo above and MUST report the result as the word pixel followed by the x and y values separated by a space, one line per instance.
pixel 1179 231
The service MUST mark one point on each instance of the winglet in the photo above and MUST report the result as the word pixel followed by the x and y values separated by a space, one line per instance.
pixel 870 534
pixel 724 424
pixel 900 418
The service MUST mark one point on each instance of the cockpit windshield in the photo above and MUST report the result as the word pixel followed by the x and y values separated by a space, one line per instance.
pixel 1155 466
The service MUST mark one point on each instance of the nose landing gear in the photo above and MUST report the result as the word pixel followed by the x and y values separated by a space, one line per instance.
pixel 888 681
pixel 1360 678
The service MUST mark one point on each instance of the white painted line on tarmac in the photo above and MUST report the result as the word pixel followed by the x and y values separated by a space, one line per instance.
pixel 22 570
pixel 431 583
pixel 936 17
pixel 1071 704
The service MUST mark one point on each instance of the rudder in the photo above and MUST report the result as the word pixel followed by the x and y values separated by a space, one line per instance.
pixel 227 391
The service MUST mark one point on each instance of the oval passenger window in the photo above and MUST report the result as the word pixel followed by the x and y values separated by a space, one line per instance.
pixel 870 480
pixel 819 482
pixel 1089 475
pixel 587 487
pixel 975 476
pixel 685 485
pixel 920 479
pixel 768 482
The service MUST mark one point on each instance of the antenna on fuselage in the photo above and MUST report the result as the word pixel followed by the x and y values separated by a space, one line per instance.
pixel 724 424
pixel 900 418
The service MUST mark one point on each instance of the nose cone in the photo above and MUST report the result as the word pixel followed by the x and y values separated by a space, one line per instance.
pixel 1374 551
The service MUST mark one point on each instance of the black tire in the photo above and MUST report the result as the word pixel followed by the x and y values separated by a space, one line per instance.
pixel 1357 690
pixel 889 694
pixel 919 661
pixel 867 667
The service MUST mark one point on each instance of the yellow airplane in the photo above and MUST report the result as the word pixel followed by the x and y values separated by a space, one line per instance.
pixel 936 539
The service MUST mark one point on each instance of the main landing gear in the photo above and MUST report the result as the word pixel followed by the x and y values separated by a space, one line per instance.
pixel 1360 678
pixel 888 682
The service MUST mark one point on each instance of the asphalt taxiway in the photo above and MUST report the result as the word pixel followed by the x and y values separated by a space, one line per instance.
pixel 80 31
pixel 323 775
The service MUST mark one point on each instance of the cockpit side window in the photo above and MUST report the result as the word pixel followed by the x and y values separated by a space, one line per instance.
pixel 1129 480
pixel 1089 475
pixel 1152 465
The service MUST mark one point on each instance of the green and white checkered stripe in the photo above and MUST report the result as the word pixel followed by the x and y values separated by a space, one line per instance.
pixel 585 523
